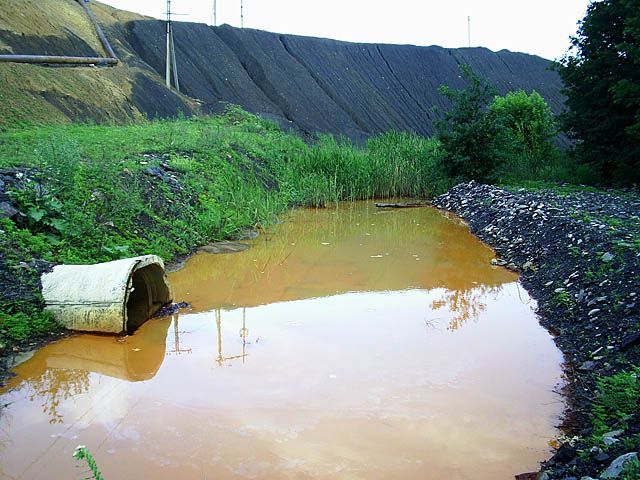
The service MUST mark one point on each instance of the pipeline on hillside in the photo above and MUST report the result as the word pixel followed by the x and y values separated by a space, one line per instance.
pixel 109 60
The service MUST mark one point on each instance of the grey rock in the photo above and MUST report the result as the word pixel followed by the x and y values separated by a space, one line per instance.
pixel 607 257
pixel 588 365
pixel 609 438
pixel 155 172
pixel 224 247
pixel 616 467
pixel 248 234
pixel 7 210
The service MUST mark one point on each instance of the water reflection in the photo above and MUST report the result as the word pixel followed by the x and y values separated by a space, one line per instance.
pixel 355 248
pixel 465 304
pixel 244 333
pixel 305 356
pixel 61 370
pixel 177 349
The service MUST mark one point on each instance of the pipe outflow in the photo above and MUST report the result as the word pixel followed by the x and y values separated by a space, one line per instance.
pixel 109 60
pixel 112 297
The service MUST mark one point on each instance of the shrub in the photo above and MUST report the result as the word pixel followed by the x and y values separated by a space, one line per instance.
pixel 467 132
pixel 618 398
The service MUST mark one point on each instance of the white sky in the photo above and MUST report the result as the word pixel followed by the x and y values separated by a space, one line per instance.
pixel 541 27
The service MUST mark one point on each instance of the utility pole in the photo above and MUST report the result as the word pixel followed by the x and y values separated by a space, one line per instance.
pixel 171 53
pixel 241 13
pixel 214 13
pixel 469 30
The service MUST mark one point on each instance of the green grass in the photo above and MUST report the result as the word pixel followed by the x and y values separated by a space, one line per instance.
pixel 618 398
pixel 631 471
pixel 86 197
pixel 25 325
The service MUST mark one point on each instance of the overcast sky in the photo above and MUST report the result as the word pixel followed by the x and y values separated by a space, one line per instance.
pixel 541 27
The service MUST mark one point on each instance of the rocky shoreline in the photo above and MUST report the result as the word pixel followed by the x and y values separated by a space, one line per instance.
pixel 578 252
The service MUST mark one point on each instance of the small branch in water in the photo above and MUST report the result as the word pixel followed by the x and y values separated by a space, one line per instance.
pixel 401 205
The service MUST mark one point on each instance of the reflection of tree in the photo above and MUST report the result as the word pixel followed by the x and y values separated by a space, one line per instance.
pixel 55 386
pixel 465 304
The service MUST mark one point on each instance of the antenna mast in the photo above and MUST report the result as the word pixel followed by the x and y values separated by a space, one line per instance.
pixel 469 30
pixel 171 53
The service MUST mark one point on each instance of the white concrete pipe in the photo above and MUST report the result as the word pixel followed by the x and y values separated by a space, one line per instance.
pixel 111 297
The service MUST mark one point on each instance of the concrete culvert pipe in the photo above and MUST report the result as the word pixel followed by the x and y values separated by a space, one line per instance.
pixel 113 297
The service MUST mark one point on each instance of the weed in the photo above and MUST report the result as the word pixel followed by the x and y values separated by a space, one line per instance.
pixel 562 297
pixel 25 323
pixel 82 453
pixel 618 398
pixel 631 470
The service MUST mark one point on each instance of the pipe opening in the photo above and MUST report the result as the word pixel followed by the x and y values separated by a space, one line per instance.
pixel 148 294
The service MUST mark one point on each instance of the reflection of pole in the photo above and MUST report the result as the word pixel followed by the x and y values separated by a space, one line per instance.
pixel 220 359
pixel 244 333
pixel 176 337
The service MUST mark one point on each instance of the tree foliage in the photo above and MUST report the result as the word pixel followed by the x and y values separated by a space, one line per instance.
pixel 487 137
pixel 467 132
pixel 526 121
pixel 601 72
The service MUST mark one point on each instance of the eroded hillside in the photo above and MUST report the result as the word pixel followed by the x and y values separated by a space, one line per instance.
pixel 309 84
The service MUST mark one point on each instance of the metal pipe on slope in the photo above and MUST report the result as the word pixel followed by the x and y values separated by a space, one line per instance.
pixel 110 60
pixel 53 59
pixel 103 38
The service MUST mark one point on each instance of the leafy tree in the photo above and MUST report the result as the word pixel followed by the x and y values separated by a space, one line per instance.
pixel 526 122
pixel 525 142
pixel 467 132
pixel 601 72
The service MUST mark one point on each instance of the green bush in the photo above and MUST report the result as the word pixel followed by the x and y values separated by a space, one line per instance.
pixel 26 325
pixel 526 122
pixel 525 138
pixel 467 132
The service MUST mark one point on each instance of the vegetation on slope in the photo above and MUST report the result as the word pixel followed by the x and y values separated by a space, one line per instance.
pixel 88 193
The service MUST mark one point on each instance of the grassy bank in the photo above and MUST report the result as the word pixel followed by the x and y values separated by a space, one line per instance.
pixel 87 193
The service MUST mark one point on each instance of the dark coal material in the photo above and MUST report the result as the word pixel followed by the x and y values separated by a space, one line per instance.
pixel 171 309
pixel 321 85
pixel 578 255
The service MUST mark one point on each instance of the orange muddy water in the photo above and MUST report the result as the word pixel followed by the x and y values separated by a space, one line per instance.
pixel 348 343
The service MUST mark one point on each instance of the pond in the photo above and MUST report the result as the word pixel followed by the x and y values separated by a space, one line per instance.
pixel 346 343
